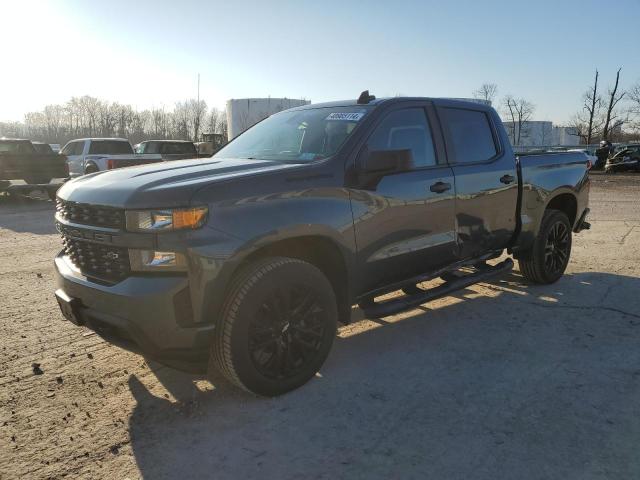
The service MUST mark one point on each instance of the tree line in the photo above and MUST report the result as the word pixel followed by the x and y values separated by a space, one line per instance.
pixel 88 116
pixel 612 114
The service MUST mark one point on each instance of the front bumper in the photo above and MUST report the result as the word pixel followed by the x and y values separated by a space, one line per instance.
pixel 151 315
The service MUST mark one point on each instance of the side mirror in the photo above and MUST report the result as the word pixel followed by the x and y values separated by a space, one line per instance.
pixel 376 164
pixel 383 162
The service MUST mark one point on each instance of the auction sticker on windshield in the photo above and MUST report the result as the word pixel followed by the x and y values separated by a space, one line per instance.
pixel 351 117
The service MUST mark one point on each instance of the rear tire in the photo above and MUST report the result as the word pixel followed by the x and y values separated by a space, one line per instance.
pixel 277 326
pixel 548 258
pixel 91 168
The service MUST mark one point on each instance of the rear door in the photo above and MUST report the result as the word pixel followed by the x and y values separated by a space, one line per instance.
pixel 485 177
pixel 404 225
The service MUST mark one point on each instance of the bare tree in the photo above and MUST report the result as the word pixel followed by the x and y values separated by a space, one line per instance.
pixel 180 121
pixel 634 108
pixel 588 121
pixel 197 111
pixel 592 103
pixel 612 122
pixel 519 112
pixel 487 91
pixel 159 122
pixel 54 118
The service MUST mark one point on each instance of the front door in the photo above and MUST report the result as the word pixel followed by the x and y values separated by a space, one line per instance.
pixel 404 225
pixel 73 152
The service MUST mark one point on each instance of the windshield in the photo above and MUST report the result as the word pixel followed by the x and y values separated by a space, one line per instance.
pixel 297 136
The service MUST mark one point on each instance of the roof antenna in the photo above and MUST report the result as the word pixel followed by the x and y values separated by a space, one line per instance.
pixel 365 98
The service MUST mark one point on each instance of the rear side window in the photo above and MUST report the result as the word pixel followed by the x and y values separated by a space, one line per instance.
pixel 150 147
pixel 405 129
pixel 110 147
pixel 471 135
pixel 184 148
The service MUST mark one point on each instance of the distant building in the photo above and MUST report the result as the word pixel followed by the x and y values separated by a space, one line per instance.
pixel 246 112
pixel 565 136
pixel 536 133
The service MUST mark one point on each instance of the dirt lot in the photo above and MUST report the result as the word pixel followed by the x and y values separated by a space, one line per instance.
pixel 502 380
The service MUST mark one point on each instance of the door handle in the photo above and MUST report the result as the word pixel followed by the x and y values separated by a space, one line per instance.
pixel 507 179
pixel 440 187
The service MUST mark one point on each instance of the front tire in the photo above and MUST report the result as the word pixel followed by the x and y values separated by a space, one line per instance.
pixel 548 258
pixel 91 168
pixel 277 326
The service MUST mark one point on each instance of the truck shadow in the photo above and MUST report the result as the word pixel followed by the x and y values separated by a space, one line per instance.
pixel 469 387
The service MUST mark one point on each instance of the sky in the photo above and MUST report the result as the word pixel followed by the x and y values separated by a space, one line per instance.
pixel 149 53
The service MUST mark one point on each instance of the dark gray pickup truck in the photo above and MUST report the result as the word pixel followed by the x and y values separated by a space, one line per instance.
pixel 249 259
pixel 25 168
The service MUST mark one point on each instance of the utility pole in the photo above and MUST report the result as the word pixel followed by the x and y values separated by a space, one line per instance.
pixel 198 90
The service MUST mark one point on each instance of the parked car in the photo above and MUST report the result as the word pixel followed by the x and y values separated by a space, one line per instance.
pixel 250 258
pixel 24 169
pixel 625 158
pixel 90 155
pixel 168 149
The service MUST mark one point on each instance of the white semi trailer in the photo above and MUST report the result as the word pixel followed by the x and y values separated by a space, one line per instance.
pixel 246 112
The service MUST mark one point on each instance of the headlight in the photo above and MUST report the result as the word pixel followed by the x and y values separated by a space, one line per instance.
pixel 166 220
pixel 156 261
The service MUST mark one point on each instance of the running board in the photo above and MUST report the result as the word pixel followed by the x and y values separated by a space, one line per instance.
pixel 392 306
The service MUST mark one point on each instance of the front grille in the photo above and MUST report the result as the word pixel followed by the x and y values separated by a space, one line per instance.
pixel 95 215
pixel 104 262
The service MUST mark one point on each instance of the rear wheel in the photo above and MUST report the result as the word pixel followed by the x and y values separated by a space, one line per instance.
pixel 91 168
pixel 277 326
pixel 548 258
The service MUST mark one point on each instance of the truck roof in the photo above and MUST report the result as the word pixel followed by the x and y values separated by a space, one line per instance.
pixel 167 141
pixel 389 100
pixel 100 138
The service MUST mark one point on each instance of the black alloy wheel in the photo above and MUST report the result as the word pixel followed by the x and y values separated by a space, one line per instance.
pixel 287 332
pixel 276 327
pixel 557 248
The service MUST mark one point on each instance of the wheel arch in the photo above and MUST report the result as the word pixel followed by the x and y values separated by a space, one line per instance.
pixel 89 164
pixel 320 251
pixel 567 203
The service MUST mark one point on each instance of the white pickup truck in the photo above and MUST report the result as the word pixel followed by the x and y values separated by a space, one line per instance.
pixel 90 155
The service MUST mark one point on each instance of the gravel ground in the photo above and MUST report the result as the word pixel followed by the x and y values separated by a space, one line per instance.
pixel 501 380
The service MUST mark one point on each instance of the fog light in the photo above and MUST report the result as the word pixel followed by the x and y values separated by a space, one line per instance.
pixel 153 261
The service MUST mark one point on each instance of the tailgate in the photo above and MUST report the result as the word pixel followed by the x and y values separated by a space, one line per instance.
pixel 34 168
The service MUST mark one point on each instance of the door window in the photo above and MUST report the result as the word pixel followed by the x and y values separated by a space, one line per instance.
pixel 471 135
pixel 73 148
pixel 405 129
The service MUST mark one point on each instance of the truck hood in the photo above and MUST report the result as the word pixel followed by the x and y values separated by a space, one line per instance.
pixel 165 184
